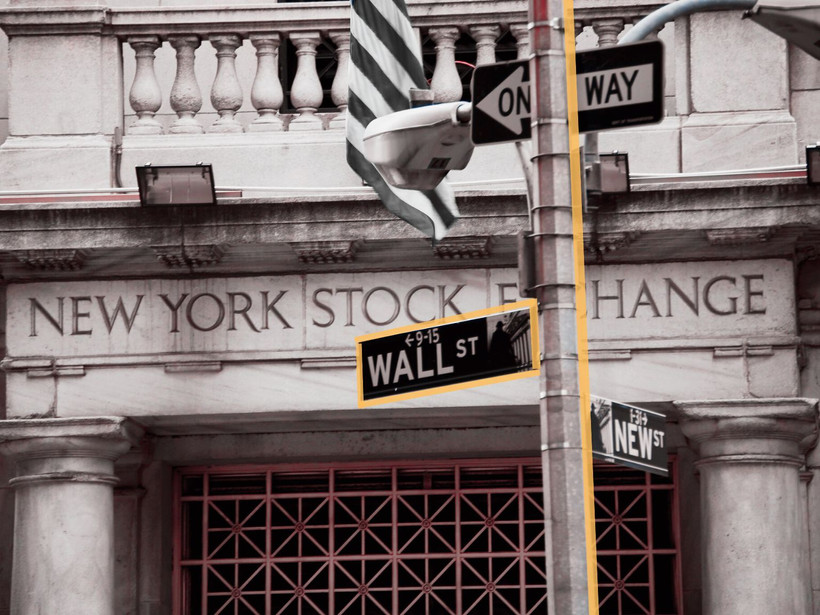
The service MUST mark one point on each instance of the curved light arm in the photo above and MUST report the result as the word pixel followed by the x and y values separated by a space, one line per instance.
pixel 656 19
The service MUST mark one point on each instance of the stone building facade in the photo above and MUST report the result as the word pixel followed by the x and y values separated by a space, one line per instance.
pixel 180 432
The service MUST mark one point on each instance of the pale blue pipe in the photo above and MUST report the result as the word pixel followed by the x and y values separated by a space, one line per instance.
pixel 656 19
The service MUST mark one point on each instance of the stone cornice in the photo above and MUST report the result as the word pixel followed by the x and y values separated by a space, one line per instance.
pixel 244 20
pixel 54 20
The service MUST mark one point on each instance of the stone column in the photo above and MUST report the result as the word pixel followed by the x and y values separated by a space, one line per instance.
pixel 751 451
pixel 63 558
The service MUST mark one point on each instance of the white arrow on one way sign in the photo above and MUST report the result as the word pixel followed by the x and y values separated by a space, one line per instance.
pixel 509 102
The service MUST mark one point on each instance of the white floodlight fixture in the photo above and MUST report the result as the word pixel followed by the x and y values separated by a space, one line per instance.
pixel 416 148
pixel 176 185
pixel 813 164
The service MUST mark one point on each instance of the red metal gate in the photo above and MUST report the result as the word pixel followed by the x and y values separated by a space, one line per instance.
pixel 412 538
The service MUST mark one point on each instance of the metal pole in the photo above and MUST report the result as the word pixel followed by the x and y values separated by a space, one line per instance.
pixel 561 445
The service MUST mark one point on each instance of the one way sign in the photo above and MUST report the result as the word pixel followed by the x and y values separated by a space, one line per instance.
pixel 501 102
pixel 620 86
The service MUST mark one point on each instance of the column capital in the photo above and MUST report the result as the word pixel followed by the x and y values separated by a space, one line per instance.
pixel 750 430
pixel 101 437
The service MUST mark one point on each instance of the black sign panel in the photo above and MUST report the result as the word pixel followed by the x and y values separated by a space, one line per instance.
pixel 628 435
pixel 447 354
pixel 501 102
pixel 620 86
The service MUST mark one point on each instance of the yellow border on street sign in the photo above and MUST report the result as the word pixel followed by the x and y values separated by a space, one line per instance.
pixel 515 306
pixel 581 305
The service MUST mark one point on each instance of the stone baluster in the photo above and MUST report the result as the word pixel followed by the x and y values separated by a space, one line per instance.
pixel 579 28
pixel 338 90
pixel 266 93
pixel 652 36
pixel 446 84
pixel 607 31
pixel 522 40
pixel 226 93
pixel 145 95
pixel 751 452
pixel 186 99
pixel 485 37
pixel 63 558
pixel 306 92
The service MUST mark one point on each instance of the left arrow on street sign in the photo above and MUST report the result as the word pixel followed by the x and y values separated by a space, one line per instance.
pixel 501 103
pixel 509 103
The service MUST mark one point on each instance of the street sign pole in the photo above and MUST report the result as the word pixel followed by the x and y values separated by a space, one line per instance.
pixel 570 590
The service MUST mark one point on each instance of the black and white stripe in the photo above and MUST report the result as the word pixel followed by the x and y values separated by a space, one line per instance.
pixel 384 66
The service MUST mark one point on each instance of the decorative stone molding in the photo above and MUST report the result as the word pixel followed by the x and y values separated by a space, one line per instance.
pixel 189 256
pixel 463 248
pixel 37 21
pixel 739 236
pixel 609 242
pixel 51 260
pixel 324 252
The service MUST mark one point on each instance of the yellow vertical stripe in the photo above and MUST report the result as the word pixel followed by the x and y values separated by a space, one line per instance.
pixel 581 303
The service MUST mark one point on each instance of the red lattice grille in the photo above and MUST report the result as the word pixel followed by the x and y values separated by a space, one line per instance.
pixel 405 539
pixel 636 543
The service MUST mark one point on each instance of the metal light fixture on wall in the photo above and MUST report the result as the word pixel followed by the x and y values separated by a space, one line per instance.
pixel 609 174
pixel 176 185
pixel 813 164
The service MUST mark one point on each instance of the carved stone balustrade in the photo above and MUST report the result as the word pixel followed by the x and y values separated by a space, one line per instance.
pixel 287 65
pixel 282 67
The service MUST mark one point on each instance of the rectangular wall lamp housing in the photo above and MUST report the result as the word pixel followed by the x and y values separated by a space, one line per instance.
pixel 176 185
